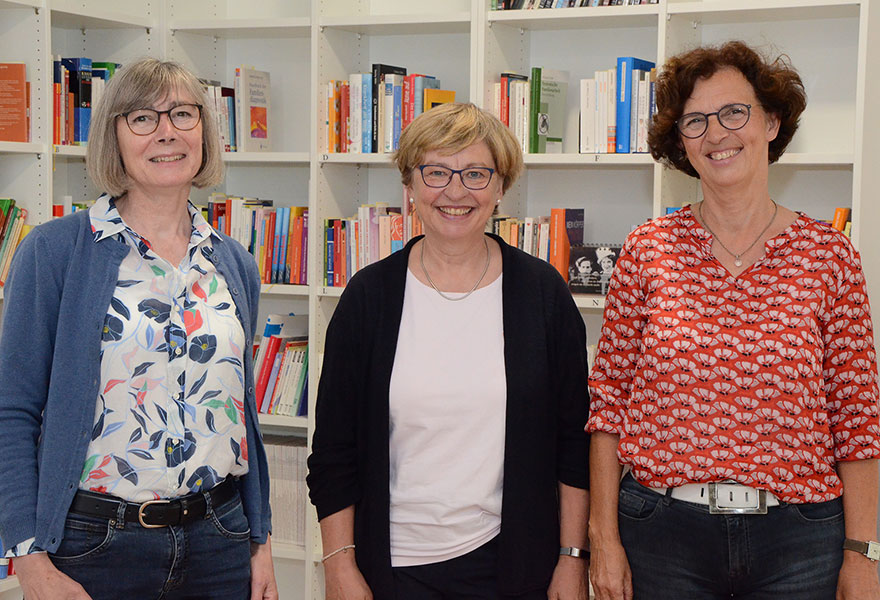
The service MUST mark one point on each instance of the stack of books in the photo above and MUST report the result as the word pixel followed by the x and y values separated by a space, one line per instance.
pixel 12 230
pixel 286 456
pixel 281 365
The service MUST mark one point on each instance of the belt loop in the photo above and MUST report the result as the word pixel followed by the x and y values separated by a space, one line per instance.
pixel 209 510
pixel 120 514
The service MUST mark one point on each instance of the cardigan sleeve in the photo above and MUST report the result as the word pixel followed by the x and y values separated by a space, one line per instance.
pixel 333 472
pixel 570 365
pixel 30 311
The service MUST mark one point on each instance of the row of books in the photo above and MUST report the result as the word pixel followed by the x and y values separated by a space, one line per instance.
pixel 15 103
pixel 367 112
pixel 288 495
pixel 243 111
pixel 276 236
pixel 559 239
pixel 533 108
pixel 352 243
pixel 535 4
pixel 616 107
pixel 77 86
pixel 281 365
pixel 13 228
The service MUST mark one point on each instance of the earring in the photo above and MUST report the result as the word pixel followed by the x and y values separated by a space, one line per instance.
pixel 411 201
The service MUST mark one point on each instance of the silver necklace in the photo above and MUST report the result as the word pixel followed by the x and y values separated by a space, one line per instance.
pixel 442 295
pixel 737 260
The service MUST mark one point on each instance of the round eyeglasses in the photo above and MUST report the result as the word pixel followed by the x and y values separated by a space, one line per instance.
pixel 144 121
pixel 731 117
pixel 473 178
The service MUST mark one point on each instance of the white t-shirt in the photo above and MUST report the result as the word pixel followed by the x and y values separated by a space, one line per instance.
pixel 448 400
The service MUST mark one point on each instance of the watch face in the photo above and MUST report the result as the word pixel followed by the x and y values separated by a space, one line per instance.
pixel 873 551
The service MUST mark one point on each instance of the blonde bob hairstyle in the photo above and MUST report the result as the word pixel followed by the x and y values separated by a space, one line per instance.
pixel 143 84
pixel 450 128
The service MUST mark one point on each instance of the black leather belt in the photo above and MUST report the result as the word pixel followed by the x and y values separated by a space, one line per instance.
pixel 155 513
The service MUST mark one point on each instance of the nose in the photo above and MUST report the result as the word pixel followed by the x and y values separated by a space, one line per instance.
pixel 714 129
pixel 166 130
pixel 456 186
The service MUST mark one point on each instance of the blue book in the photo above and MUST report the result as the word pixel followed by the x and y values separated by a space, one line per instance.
pixel 230 106
pixel 398 115
pixel 366 112
pixel 283 266
pixel 276 245
pixel 4 562
pixel 420 84
pixel 625 101
pixel 81 88
pixel 328 256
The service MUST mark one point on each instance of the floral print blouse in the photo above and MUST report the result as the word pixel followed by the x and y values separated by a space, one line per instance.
pixel 169 420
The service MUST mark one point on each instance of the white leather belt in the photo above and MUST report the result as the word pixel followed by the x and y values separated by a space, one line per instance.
pixel 723 497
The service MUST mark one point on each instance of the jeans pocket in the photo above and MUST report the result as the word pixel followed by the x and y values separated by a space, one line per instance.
pixel 230 521
pixel 820 512
pixel 83 538
pixel 637 505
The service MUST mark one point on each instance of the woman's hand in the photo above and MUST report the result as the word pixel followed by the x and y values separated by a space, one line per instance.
pixel 40 580
pixel 609 572
pixel 858 578
pixel 343 580
pixel 263 585
pixel 569 580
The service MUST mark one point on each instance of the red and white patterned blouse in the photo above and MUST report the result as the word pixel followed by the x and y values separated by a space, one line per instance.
pixel 768 378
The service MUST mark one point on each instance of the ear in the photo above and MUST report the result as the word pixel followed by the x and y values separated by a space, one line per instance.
pixel 773 124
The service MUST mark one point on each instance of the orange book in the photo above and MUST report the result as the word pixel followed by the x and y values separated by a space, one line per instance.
pixel 332 116
pixel 841 216
pixel 268 248
pixel 559 245
pixel 296 249
pixel 13 103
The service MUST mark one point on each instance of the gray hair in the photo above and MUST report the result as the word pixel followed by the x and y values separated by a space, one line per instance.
pixel 138 85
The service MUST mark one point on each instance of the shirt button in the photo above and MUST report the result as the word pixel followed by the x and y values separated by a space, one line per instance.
pixel 178 351
pixel 178 395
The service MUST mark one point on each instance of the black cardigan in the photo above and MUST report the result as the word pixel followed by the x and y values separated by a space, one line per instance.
pixel 547 407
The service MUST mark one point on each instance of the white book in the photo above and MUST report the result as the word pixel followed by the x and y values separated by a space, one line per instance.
pixel 496 99
pixel 526 102
pixel 543 241
pixel 528 233
pixel 355 105
pixel 256 123
pixel 643 118
pixel 602 112
pixel 588 116
pixel 612 110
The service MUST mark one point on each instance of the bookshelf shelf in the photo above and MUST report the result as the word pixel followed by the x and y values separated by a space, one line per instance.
pixel 745 11
pixel 578 18
pixel 330 291
pixel 21 4
pixel 288 551
pixel 72 151
pixel 589 301
pixel 281 289
pixel 245 28
pixel 279 421
pixel 354 158
pixel 266 157
pixel 83 18
pixel 21 148
pixel 420 24
pixel 585 160
pixel 818 160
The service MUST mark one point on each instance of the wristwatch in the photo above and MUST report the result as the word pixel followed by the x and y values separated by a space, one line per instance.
pixel 869 549
pixel 575 552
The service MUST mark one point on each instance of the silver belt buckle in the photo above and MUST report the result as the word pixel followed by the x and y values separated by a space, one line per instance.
pixel 141 513
pixel 729 498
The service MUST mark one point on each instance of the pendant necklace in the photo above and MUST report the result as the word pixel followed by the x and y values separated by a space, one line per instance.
pixel 737 258
pixel 442 295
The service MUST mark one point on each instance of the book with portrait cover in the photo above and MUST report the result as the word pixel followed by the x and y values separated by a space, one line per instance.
pixel 590 268
pixel 254 110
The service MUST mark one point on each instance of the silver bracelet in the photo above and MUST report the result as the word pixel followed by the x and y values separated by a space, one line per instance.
pixel 575 552
pixel 337 551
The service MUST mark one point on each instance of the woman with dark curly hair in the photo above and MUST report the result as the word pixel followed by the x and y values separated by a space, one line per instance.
pixel 736 376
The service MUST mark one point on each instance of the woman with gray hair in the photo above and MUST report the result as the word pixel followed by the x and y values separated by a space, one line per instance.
pixel 134 465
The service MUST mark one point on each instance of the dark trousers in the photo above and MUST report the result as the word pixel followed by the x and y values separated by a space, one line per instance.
pixel 209 558
pixel 473 576
pixel 677 550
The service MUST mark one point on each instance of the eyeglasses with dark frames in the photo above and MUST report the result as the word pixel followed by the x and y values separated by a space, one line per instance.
pixel 731 117
pixel 144 121
pixel 473 178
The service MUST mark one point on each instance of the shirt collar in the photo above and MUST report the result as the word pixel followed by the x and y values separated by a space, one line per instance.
pixel 107 222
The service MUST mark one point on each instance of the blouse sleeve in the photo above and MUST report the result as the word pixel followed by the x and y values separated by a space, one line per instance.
pixel 849 362
pixel 617 351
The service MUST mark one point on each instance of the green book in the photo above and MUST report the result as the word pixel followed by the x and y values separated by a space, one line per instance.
pixel 534 108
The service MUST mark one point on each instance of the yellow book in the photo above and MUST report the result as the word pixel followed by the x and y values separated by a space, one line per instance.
pixel 435 97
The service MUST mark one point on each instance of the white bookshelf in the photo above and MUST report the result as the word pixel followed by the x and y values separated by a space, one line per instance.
pixel 304 43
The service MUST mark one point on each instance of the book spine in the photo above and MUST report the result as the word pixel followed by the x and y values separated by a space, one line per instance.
pixel 534 108
pixel 624 103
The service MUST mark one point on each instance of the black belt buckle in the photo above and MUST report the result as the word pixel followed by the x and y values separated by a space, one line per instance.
pixel 140 514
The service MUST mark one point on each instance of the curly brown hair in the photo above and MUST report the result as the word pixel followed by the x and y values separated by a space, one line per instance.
pixel 777 86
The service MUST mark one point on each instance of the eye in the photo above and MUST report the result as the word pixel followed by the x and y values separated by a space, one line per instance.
pixel 735 110
pixel 142 116
pixel 436 172
pixel 475 174
pixel 183 112
pixel 693 120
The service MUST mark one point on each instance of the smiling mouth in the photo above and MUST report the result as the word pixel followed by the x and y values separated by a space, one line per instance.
pixel 724 154
pixel 164 159
pixel 455 211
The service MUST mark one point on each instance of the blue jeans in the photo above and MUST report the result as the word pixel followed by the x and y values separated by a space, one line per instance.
pixel 677 550
pixel 208 558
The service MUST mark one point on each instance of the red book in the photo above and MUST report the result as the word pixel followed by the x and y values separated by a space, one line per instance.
pixel 337 254
pixel 13 103
pixel 265 369
pixel 343 116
